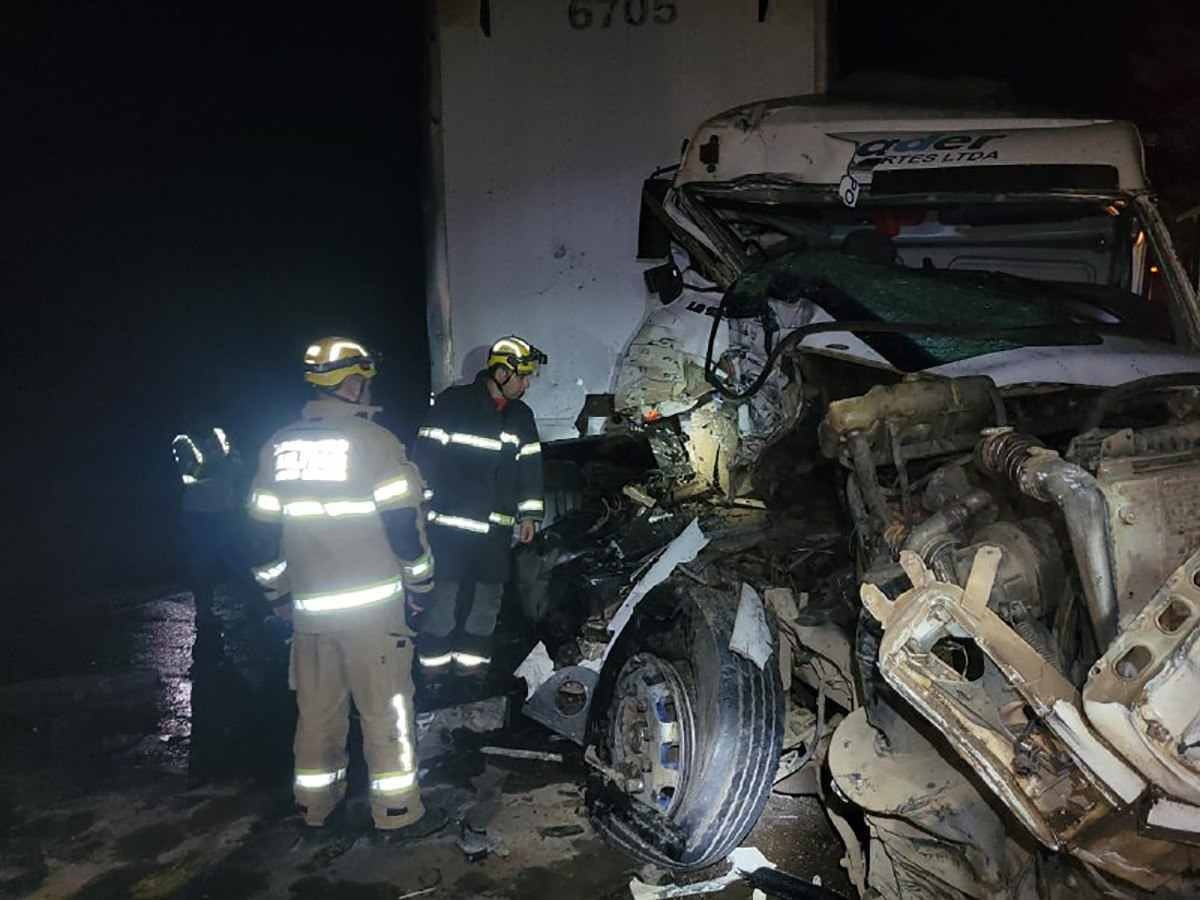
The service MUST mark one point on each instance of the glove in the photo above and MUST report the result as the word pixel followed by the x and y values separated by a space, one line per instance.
pixel 526 530
pixel 416 600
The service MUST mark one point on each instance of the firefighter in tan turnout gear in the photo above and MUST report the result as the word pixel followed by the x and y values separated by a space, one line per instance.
pixel 481 452
pixel 336 505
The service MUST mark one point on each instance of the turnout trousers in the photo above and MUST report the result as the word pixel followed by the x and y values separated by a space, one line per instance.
pixel 440 642
pixel 374 669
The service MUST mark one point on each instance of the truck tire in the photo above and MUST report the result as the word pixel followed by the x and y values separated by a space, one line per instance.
pixel 693 730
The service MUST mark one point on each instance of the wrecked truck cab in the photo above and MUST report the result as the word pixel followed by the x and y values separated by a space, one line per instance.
pixel 978 388
pixel 1052 206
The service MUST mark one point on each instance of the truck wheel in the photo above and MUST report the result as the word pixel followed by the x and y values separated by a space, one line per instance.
pixel 688 731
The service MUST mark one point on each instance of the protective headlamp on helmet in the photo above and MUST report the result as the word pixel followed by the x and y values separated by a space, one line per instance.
pixel 516 355
pixel 331 360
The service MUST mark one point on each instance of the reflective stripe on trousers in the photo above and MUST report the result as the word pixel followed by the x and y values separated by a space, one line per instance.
pixel 375 670
pixel 314 781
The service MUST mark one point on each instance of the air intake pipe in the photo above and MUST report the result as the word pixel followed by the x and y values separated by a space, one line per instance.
pixel 1042 474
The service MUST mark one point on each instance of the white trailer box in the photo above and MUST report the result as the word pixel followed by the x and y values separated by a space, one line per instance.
pixel 545 117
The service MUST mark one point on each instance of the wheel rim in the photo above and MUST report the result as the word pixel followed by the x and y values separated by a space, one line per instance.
pixel 651 739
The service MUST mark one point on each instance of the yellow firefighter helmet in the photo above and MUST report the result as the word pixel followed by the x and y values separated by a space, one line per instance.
pixel 516 354
pixel 331 360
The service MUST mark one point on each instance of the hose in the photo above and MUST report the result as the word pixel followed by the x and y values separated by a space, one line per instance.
pixel 780 884
pixel 925 539
pixel 1041 474
pixel 864 474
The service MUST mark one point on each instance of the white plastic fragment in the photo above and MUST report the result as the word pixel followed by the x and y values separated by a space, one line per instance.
pixel 683 549
pixel 742 860
pixel 536 669
pixel 751 637
pixel 1166 813
pixel 749 859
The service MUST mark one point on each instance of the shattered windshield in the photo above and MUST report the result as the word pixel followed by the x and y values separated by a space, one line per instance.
pixel 852 288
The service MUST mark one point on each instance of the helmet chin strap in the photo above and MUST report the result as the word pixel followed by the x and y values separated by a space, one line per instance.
pixel 497 382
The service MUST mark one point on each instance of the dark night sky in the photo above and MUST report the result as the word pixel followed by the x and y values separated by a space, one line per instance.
pixel 189 196
pixel 196 198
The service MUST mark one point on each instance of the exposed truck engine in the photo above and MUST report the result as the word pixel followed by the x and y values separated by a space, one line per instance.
pixel 1032 657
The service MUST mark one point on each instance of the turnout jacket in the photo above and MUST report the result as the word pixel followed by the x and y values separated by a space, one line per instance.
pixel 347 501
pixel 484 468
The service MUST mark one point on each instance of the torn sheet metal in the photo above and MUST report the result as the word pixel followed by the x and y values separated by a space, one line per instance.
pixel 783 603
pixel 818 655
pixel 1141 695
pixel 1054 804
pixel 563 701
pixel 751 638
pixel 932 833
pixel 683 549
pixel 743 860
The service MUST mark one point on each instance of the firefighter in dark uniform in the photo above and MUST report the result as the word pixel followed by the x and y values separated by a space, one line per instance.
pixel 481 458
pixel 211 538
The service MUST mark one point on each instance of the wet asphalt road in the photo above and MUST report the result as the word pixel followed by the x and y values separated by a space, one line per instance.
pixel 150 692
pixel 140 760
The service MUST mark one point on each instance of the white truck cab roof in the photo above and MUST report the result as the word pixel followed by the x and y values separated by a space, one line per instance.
pixel 816 140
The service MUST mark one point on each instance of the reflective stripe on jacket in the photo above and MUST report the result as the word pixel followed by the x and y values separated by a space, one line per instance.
pixel 328 478
pixel 484 469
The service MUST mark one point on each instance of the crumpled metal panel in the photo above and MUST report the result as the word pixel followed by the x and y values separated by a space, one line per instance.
pixel 1055 774
pixel 1142 694
pixel 1054 801
pixel 932 833
pixel 1154 511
